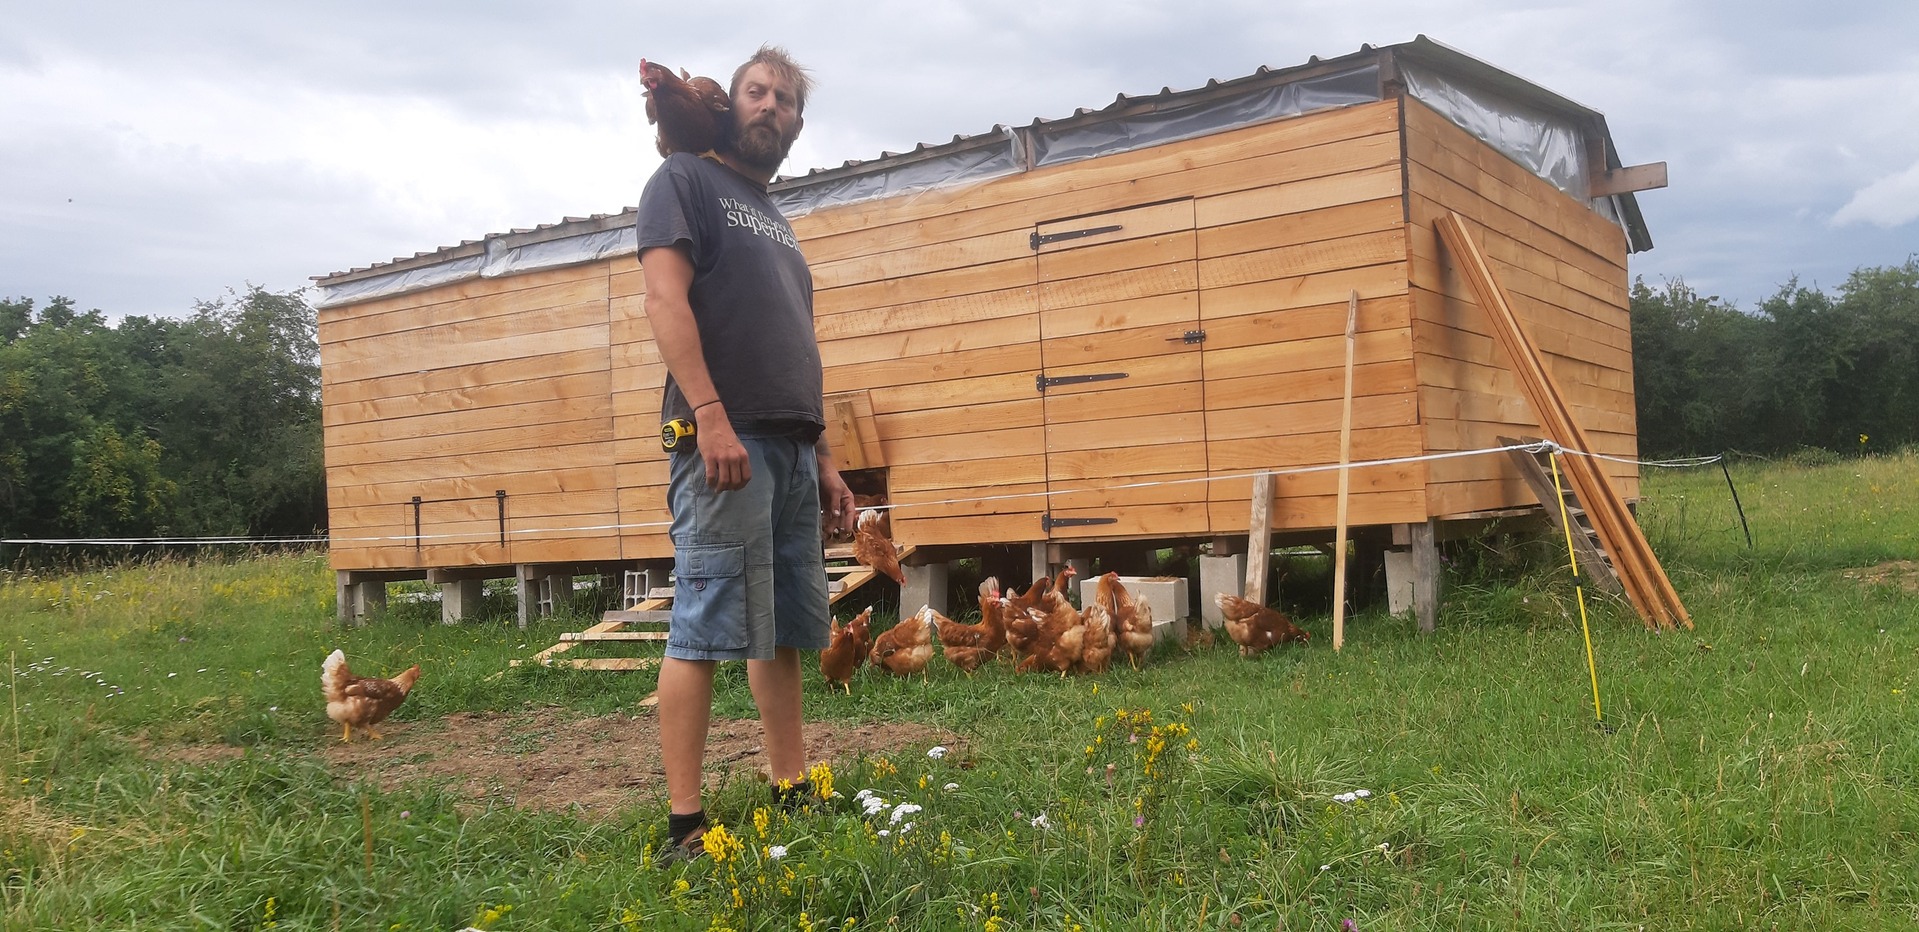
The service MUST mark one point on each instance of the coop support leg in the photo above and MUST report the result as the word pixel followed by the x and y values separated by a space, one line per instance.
pixel 526 592
pixel 364 600
pixel 459 599
pixel 1219 574
pixel 1425 576
pixel 925 585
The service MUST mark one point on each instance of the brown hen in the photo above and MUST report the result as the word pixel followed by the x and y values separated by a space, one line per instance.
pixel 845 648
pixel 1256 628
pixel 365 701
pixel 694 114
pixel 1132 618
pixel 905 648
pixel 875 550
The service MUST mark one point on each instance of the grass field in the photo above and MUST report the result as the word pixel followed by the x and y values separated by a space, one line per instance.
pixel 1761 771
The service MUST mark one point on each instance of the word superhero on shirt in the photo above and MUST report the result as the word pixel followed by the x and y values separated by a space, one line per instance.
pixel 746 215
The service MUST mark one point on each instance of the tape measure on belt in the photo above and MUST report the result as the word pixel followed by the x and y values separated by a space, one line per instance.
pixel 674 432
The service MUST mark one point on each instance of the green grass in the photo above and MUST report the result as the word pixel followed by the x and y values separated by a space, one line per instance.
pixel 1760 771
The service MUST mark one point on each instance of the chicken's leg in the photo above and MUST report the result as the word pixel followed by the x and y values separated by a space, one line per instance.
pixel 346 734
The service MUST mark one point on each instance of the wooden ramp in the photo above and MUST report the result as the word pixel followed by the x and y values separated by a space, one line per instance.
pixel 647 620
pixel 1563 505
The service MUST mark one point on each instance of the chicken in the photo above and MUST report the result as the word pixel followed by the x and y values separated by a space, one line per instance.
pixel 1254 627
pixel 694 114
pixel 1052 637
pixel 874 549
pixel 992 615
pixel 960 634
pixel 365 701
pixel 1131 618
pixel 846 647
pixel 878 503
pixel 1096 648
pixel 905 648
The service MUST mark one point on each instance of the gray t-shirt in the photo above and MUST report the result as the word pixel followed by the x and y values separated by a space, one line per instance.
pixel 752 294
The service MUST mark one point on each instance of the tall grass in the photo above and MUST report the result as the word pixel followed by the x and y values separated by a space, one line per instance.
pixel 1756 772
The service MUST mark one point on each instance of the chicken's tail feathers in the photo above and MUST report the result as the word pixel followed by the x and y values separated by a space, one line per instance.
pixel 333 676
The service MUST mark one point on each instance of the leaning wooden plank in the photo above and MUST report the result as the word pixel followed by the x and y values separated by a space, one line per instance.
pixel 1259 538
pixel 639 616
pixel 1645 582
pixel 611 664
pixel 582 636
pixel 1345 481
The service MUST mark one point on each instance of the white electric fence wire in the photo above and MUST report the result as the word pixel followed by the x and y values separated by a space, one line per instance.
pixel 1541 446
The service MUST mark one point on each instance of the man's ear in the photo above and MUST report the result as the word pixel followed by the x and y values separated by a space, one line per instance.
pixel 799 123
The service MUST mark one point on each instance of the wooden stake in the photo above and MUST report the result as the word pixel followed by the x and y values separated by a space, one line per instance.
pixel 1345 477
pixel 366 829
pixel 1259 538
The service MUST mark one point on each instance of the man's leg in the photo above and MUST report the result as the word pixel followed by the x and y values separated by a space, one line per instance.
pixel 776 691
pixel 685 710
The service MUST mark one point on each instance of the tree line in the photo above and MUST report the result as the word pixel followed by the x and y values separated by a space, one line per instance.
pixel 209 425
pixel 1806 369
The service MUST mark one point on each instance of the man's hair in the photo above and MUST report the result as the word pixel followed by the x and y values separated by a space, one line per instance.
pixel 783 66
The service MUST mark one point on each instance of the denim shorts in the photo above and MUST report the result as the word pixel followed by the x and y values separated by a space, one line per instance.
pixel 748 565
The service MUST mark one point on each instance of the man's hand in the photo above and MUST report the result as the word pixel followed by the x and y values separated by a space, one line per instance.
pixel 727 465
pixel 837 514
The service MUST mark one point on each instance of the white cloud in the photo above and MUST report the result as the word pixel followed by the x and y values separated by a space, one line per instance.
pixel 1889 202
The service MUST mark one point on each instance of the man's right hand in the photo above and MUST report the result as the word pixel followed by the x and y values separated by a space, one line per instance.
pixel 727 465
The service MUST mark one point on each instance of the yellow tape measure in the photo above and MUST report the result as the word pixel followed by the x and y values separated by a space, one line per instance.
pixel 674 431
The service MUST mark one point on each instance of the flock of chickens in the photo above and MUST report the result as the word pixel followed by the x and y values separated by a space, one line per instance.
pixel 1040 627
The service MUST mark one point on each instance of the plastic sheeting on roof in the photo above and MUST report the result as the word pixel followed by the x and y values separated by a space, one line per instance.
pixel 968 166
pixel 499 259
pixel 1549 146
pixel 1091 140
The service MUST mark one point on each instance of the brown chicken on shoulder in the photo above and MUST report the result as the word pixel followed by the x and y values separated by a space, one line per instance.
pixel 846 647
pixel 694 114
pixel 363 701
pixel 875 550
pixel 1132 617
pixel 1256 628
pixel 905 648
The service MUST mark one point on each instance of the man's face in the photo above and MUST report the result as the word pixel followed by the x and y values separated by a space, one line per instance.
pixel 766 119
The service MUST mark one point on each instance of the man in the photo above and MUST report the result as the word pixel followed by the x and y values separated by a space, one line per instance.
pixel 730 299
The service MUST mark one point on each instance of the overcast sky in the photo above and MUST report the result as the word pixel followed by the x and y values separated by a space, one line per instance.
pixel 153 154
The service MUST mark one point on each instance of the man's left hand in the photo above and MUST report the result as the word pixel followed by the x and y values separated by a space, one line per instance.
pixel 837 514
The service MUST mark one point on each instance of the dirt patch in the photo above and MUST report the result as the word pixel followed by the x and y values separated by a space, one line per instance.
pixel 1901 573
pixel 551 759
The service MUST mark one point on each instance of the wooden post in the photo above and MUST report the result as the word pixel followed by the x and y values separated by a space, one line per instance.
pixel 1345 458
pixel 1259 538
pixel 1425 575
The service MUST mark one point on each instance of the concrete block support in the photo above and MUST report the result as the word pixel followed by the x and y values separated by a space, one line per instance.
pixel 1216 575
pixel 555 591
pixel 1399 581
pixel 459 599
pixel 925 585
pixel 366 599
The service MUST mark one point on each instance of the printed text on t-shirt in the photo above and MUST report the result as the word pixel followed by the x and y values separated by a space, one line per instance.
pixel 746 215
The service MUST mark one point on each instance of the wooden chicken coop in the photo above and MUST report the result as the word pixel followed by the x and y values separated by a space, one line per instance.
pixel 1077 332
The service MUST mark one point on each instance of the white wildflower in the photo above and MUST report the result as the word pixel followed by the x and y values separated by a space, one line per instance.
pixel 902 811
pixel 885 832
pixel 936 752
pixel 950 787
pixel 873 804
pixel 1040 821
pixel 776 852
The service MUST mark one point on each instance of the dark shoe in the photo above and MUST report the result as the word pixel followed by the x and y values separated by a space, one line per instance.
pixel 794 797
pixel 685 839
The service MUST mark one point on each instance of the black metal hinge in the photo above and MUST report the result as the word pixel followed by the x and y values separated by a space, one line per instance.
pixel 1047 522
pixel 1039 240
pixel 1189 338
pixel 1042 382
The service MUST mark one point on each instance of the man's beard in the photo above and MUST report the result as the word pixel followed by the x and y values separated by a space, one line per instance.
pixel 760 146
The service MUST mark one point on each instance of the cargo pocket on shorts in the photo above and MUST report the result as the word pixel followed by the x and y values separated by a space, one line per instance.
pixel 709 597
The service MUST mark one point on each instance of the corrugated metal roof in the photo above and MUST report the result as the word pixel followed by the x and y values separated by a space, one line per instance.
pixel 1420 50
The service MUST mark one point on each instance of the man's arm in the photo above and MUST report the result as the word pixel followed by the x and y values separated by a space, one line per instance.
pixel 837 513
pixel 669 276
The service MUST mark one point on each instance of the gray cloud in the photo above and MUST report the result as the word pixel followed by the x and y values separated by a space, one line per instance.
pixel 206 144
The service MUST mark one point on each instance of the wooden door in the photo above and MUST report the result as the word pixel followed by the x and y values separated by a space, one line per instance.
pixel 1120 343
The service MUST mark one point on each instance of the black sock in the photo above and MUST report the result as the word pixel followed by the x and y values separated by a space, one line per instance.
pixel 678 827
pixel 793 795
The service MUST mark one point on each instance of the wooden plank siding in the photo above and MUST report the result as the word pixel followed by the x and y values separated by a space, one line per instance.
pixel 459 391
pixel 938 313
pixel 1563 267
